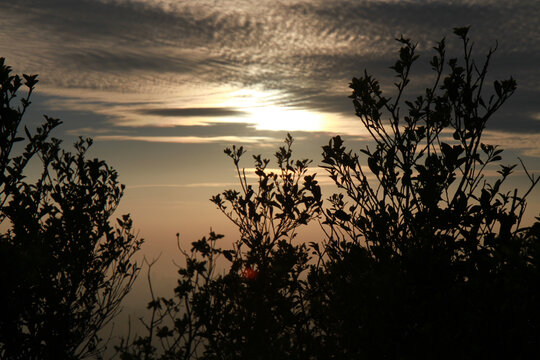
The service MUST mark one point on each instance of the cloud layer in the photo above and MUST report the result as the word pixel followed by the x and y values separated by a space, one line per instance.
pixel 172 63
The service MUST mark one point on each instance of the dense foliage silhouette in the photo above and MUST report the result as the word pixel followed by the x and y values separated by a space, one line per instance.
pixel 431 257
pixel 63 267
pixel 423 254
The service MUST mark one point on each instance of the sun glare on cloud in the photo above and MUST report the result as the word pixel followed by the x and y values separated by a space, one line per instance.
pixel 266 111
pixel 276 118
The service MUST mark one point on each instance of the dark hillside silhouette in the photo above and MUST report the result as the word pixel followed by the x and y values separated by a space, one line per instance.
pixel 428 261
pixel 64 268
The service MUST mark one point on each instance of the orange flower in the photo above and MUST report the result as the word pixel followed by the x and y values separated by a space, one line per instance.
pixel 249 273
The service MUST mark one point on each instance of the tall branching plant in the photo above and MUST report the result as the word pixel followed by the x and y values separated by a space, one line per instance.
pixel 420 228
pixel 256 307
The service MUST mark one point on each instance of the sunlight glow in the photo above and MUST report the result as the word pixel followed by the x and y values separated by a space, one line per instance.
pixel 275 118
pixel 271 110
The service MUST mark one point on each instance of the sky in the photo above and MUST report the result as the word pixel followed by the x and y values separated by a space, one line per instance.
pixel 163 86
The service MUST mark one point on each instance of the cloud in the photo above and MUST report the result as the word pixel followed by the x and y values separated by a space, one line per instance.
pixel 525 144
pixel 193 185
pixel 177 54
pixel 189 139
pixel 200 112
pixel 517 122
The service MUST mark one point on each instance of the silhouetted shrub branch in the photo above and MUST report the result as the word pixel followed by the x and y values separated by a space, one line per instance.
pixel 64 268
pixel 429 249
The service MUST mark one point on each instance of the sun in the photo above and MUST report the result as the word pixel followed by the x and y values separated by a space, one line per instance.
pixel 266 110
pixel 277 118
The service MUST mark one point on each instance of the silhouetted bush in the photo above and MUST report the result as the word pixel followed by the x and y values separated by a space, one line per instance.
pixel 423 256
pixel 64 268
pixel 257 307
pixel 431 259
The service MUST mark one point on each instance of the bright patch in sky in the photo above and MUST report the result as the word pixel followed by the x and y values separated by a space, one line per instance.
pixel 265 111
pixel 276 118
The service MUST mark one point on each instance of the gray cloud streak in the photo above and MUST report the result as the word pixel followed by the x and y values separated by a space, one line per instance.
pixel 203 112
